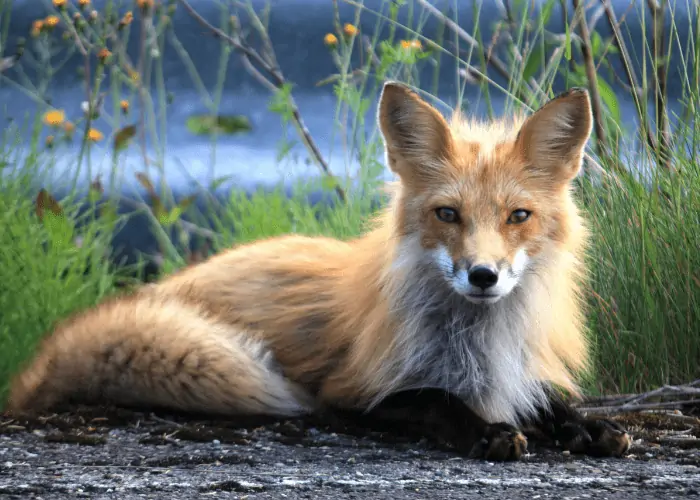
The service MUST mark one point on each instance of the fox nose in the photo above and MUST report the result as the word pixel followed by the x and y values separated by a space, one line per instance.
pixel 483 276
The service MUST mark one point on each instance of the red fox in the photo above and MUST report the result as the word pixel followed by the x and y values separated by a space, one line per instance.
pixel 460 308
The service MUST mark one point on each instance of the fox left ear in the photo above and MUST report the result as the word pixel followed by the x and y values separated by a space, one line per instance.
pixel 554 137
pixel 416 136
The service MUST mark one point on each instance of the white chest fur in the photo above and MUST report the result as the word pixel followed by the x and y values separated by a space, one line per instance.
pixel 479 352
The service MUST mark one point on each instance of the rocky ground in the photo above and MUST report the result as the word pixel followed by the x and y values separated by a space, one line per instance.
pixel 119 454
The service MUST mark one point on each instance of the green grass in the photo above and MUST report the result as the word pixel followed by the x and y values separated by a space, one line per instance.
pixel 645 279
pixel 44 274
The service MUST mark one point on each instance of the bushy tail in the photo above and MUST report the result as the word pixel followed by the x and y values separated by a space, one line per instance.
pixel 144 350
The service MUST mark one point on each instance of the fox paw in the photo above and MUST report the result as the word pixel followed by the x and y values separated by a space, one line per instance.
pixel 499 443
pixel 597 437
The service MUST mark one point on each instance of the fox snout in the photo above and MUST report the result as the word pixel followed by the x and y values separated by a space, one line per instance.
pixel 482 276
pixel 483 281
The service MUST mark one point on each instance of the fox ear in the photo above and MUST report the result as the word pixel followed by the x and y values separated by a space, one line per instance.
pixel 553 138
pixel 416 136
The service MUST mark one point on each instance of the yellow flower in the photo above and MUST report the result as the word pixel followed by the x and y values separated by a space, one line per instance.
pixel 54 118
pixel 60 4
pixel 37 26
pixel 103 55
pixel 349 29
pixel 51 21
pixel 127 19
pixel 83 3
pixel 69 127
pixel 95 135
pixel 144 4
pixel 330 39
pixel 124 104
pixel 411 44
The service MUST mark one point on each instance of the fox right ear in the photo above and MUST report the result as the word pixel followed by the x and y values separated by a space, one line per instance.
pixel 416 136
pixel 552 139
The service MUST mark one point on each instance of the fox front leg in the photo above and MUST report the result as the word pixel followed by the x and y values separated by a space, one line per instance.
pixel 446 419
pixel 571 431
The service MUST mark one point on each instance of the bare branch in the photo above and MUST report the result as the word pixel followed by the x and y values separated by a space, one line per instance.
pixel 629 71
pixel 636 402
pixel 658 10
pixel 596 105
pixel 661 405
pixel 492 59
pixel 274 80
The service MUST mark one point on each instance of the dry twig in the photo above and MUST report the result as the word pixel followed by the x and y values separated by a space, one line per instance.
pixel 273 79
pixel 666 397
pixel 502 69
pixel 629 71
pixel 490 58
pixel 596 104
pixel 658 10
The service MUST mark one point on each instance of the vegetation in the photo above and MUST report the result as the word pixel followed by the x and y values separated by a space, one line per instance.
pixel 645 287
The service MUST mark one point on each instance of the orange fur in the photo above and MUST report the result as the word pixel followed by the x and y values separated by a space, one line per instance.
pixel 285 325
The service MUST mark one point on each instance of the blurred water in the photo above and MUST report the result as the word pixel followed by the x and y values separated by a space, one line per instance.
pixel 297 28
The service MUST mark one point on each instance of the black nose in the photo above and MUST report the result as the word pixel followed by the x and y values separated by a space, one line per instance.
pixel 483 276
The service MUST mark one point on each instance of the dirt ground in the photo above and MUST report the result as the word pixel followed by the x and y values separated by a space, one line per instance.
pixel 120 454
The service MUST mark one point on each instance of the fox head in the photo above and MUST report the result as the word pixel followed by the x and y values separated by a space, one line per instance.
pixel 484 204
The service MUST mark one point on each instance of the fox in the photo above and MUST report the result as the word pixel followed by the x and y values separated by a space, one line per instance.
pixel 460 309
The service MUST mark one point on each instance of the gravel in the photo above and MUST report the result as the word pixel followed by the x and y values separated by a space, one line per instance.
pixel 119 454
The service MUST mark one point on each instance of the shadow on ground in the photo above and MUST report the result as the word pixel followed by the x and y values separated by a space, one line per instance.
pixel 122 454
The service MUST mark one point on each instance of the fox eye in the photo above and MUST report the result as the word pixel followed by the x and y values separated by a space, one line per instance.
pixel 446 214
pixel 519 216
